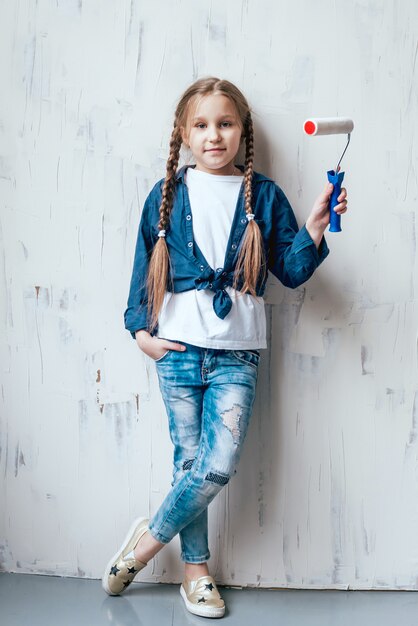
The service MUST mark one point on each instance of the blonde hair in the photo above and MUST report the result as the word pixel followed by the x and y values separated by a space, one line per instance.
pixel 251 255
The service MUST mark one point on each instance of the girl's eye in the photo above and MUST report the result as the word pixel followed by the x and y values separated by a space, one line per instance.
pixel 202 124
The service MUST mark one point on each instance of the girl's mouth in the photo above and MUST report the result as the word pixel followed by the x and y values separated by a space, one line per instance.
pixel 215 150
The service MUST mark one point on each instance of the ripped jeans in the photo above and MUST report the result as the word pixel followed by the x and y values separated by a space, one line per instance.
pixel 209 395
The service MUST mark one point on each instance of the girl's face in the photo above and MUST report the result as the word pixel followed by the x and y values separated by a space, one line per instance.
pixel 214 134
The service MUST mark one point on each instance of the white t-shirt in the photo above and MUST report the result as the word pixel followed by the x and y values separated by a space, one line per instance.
pixel 189 316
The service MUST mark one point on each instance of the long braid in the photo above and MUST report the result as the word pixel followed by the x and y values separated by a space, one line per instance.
pixel 158 273
pixel 249 163
pixel 251 256
pixel 169 182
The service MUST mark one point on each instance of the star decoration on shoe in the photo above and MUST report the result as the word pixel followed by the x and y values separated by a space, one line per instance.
pixel 114 570
pixel 209 586
pixel 202 599
pixel 131 570
pixel 126 583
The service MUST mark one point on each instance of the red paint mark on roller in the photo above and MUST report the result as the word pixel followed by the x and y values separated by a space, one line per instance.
pixel 37 287
pixel 98 376
pixel 309 127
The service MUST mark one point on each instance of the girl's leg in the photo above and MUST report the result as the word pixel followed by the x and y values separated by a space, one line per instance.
pixel 183 398
pixel 229 379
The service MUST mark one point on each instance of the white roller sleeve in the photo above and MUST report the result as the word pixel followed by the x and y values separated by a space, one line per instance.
pixel 328 125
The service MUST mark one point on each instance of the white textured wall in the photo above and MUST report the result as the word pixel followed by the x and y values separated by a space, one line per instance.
pixel 326 493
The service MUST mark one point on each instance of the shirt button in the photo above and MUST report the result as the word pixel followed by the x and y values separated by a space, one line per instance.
pixel 234 245
pixel 223 273
pixel 244 219
pixel 202 267
pixel 188 217
pixel 219 269
pixel 190 244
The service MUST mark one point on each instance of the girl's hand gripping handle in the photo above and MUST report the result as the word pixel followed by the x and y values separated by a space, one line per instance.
pixel 334 218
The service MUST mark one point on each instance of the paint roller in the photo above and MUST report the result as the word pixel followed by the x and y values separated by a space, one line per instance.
pixel 332 126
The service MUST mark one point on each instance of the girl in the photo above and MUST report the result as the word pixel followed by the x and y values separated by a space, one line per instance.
pixel 207 236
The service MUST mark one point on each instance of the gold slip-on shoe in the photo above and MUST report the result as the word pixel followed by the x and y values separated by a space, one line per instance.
pixel 202 597
pixel 123 566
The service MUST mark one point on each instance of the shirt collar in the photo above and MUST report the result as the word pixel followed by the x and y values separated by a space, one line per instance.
pixel 257 177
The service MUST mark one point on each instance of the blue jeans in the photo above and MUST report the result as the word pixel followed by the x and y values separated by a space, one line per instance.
pixel 209 395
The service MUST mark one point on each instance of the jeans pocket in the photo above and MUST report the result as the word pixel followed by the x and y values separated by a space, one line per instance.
pixel 251 357
pixel 162 357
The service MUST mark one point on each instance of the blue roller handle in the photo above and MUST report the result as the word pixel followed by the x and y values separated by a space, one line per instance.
pixel 334 218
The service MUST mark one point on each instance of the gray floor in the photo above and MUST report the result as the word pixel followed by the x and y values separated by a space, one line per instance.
pixel 34 600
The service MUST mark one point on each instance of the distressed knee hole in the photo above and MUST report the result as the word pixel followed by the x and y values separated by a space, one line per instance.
pixel 188 464
pixel 231 419
pixel 219 479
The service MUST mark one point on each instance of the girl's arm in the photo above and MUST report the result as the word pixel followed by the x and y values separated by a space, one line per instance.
pixel 294 254
pixel 136 314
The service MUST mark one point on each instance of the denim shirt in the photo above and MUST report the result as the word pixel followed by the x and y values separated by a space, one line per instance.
pixel 290 253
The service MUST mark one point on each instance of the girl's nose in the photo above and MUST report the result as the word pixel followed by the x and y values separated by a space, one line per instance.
pixel 213 132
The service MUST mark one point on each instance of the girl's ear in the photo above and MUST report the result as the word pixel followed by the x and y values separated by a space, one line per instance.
pixel 184 136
